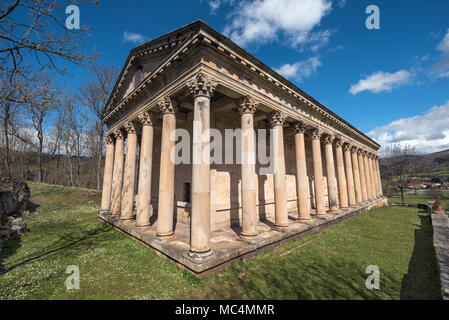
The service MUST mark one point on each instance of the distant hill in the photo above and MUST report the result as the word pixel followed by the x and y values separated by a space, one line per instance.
pixel 433 165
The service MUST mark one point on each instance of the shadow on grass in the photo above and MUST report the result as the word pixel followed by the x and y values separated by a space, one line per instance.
pixel 64 242
pixel 422 281
pixel 8 249
pixel 296 278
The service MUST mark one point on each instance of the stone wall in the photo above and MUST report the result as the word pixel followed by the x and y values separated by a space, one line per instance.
pixel 440 223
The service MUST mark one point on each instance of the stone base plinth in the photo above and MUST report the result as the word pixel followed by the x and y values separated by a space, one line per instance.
pixel 227 246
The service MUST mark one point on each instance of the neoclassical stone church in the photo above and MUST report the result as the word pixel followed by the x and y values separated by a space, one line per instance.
pixel 204 216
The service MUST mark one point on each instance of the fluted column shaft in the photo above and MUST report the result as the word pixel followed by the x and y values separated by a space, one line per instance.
pixel 357 180
pixel 107 177
pixel 202 88
pixel 302 182
pixel 380 178
pixel 362 176
pixel 144 205
pixel 330 169
pixel 341 176
pixel 166 199
pixel 117 178
pixel 249 184
pixel 349 176
pixel 280 188
pixel 368 177
pixel 318 173
pixel 130 173
pixel 372 177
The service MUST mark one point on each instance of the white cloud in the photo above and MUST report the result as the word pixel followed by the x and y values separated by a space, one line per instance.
pixel 441 68
pixel 381 81
pixel 134 37
pixel 261 21
pixel 300 70
pixel 428 132
pixel 444 44
pixel 216 4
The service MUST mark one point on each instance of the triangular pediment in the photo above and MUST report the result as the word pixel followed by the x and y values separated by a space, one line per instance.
pixel 143 60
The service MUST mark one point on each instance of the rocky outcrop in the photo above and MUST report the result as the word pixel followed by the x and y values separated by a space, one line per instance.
pixel 14 196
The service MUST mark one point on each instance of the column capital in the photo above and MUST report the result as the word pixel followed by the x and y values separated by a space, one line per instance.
pixel 131 127
pixel 146 118
pixel 247 104
pixel 277 118
pixel 299 127
pixel 354 149
pixel 359 151
pixel 316 134
pixel 166 105
pixel 110 139
pixel 201 85
pixel 365 153
pixel 339 143
pixel 328 139
pixel 347 146
pixel 119 134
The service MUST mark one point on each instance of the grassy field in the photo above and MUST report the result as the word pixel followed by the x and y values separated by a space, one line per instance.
pixel 421 198
pixel 331 264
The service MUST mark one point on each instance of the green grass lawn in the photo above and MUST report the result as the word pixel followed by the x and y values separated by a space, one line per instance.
pixel 420 198
pixel 64 230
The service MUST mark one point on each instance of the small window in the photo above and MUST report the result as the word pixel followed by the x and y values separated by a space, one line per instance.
pixel 186 192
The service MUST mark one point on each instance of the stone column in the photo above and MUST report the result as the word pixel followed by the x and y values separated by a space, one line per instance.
pixel 367 176
pixel 357 180
pixel 107 178
pixel 248 107
pixel 280 183
pixel 330 168
pixel 117 177
pixel 166 201
pixel 130 172
pixel 318 173
pixel 372 176
pixel 202 88
pixel 349 175
pixel 144 205
pixel 362 175
pixel 380 179
pixel 341 176
pixel 302 182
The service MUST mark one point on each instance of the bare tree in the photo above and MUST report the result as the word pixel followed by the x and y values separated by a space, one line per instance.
pixel 13 89
pixel 35 29
pixel 94 95
pixel 401 163
pixel 45 99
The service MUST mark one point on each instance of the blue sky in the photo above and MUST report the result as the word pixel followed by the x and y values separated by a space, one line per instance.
pixel 392 83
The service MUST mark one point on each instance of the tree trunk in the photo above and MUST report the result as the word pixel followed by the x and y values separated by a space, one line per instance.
pixel 402 195
pixel 6 129
pixel 100 155
pixel 40 136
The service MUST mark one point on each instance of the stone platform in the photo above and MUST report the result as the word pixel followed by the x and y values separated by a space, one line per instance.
pixel 228 248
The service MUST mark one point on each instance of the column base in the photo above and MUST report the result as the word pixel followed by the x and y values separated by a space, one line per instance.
pixel 281 228
pixel 305 221
pixel 199 257
pixel 250 239
pixel 164 237
pixel 143 227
